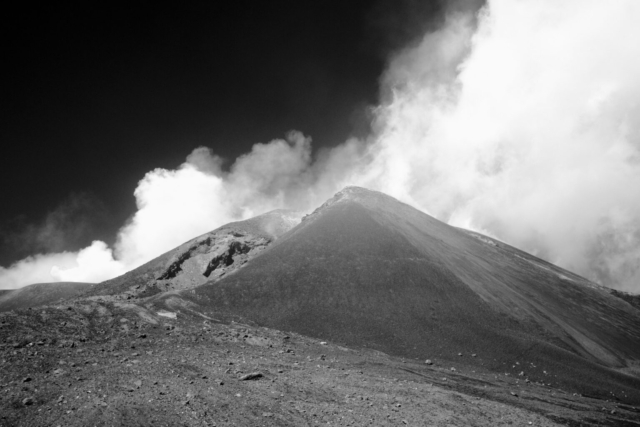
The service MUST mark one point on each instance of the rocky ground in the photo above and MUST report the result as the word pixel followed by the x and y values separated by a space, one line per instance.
pixel 110 363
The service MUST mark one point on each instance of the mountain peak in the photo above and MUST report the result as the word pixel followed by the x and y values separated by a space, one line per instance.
pixel 352 193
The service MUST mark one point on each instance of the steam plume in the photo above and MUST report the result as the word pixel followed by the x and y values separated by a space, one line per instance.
pixel 526 128
pixel 522 123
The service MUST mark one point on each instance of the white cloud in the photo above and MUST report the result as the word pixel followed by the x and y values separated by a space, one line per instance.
pixel 533 136
pixel 91 264
pixel 34 269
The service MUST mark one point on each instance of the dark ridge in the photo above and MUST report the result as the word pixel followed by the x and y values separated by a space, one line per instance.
pixel 632 299
pixel 227 258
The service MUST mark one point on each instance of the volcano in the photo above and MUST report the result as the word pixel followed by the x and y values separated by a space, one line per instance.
pixel 365 312
pixel 366 270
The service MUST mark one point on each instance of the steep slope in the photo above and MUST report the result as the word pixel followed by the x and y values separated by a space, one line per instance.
pixel 367 270
pixel 205 258
pixel 40 294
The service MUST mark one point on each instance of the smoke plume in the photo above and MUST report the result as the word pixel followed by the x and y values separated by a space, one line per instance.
pixel 522 122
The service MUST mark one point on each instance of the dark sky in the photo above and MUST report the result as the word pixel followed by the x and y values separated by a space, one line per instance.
pixel 97 97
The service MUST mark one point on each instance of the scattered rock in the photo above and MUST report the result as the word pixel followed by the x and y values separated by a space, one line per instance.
pixel 251 376
pixel 513 393
pixel 26 380
pixel 428 362
pixel 28 401
pixel 137 383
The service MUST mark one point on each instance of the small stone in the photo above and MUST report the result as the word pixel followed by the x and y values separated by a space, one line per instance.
pixel 267 414
pixel 26 380
pixel 428 362
pixel 142 336
pixel 473 355
pixel 513 393
pixel 251 376
pixel 137 383
pixel 459 354
pixel 28 401
pixel 453 369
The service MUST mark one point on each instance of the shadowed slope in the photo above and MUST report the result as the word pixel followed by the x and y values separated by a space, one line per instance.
pixel 40 294
pixel 205 258
pixel 367 270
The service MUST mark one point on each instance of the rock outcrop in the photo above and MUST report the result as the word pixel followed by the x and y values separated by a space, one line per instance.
pixel 204 259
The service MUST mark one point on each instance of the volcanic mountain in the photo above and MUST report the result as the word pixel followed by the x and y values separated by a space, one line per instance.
pixel 206 258
pixel 366 270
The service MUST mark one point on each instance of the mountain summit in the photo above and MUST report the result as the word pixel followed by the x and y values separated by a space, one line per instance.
pixel 367 270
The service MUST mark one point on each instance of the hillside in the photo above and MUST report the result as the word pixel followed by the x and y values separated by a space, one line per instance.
pixel 40 294
pixel 368 271
pixel 205 258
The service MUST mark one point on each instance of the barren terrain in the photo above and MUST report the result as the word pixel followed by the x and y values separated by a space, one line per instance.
pixel 95 363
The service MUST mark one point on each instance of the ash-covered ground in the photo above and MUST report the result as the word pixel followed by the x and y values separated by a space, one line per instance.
pixel 110 363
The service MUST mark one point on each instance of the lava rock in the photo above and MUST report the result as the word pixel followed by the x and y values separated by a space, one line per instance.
pixel 251 376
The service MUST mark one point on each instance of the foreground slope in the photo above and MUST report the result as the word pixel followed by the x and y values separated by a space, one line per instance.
pixel 367 270
pixel 205 258
pixel 112 363
pixel 40 294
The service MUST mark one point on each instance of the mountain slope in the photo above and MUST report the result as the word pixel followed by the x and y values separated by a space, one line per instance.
pixel 40 294
pixel 205 258
pixel 367 270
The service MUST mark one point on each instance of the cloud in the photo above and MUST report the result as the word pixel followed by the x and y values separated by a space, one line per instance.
pixel 91 264
pixel 522 122
pixel 526 127
pixel 77 220
pixel 174 206
pixel 34 269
